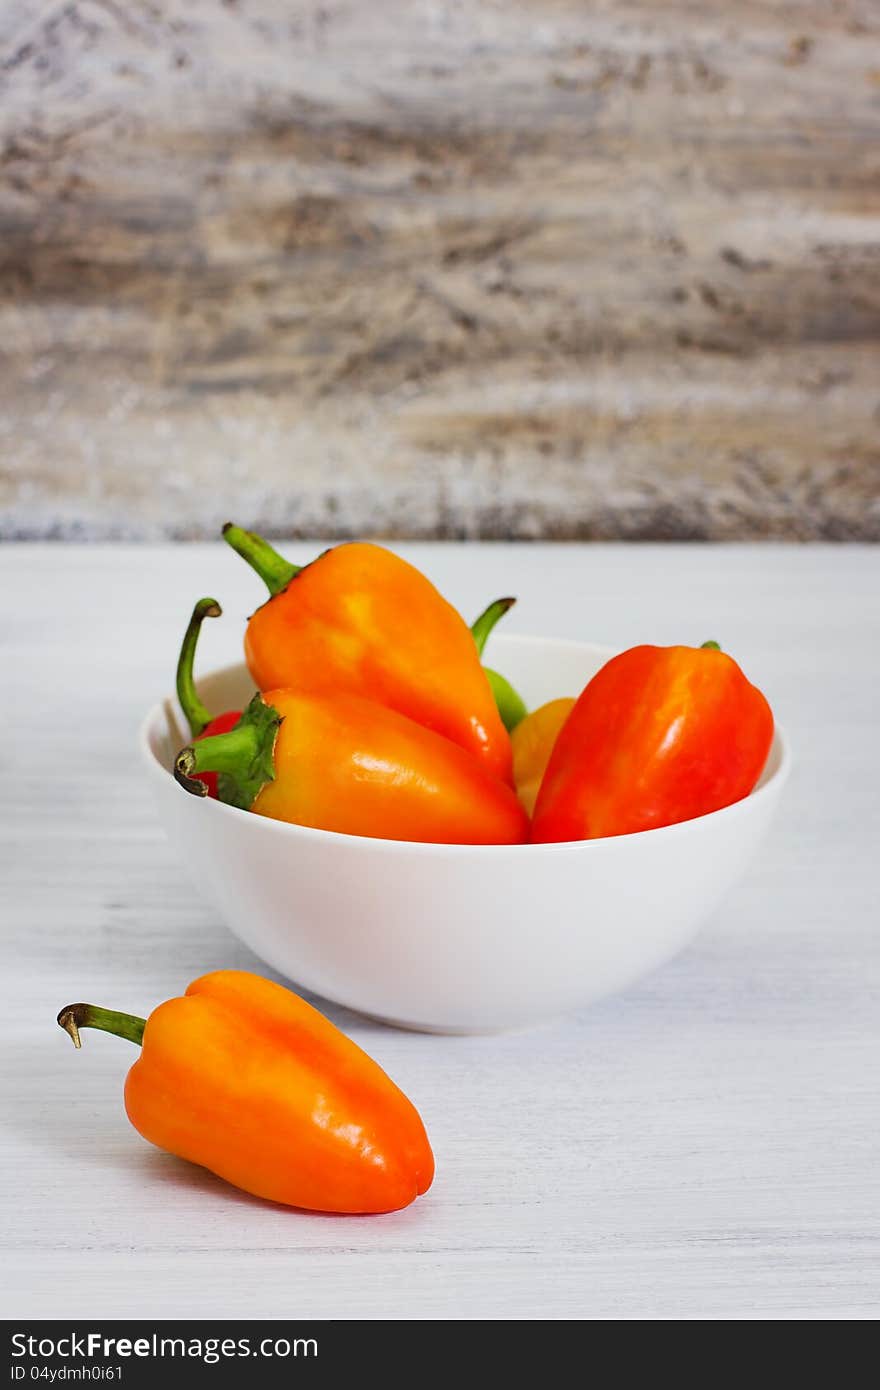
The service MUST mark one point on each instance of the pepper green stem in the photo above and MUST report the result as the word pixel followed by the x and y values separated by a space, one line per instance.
pixel 481 629
pixel 710 647
pixel 510 703
pixel 244 757
pixel 197 716
pixel 275 572
pixel 229 752
pixel 75 1016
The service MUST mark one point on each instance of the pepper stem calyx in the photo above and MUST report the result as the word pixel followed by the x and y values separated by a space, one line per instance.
pixel 244 757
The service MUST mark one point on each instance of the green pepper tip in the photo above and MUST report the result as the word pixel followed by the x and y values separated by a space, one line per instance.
pixel 510 704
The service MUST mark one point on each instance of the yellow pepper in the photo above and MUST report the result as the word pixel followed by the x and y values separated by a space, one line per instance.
pixel 532 741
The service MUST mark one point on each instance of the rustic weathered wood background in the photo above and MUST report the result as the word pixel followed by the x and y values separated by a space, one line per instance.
pixel 419 267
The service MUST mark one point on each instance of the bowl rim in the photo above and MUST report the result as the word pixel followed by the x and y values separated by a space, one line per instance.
pixel 288 830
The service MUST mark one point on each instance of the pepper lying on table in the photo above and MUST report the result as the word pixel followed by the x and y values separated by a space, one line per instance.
pixel 245 1078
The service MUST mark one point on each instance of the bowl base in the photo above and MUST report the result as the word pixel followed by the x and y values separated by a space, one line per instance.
pixel 442 1030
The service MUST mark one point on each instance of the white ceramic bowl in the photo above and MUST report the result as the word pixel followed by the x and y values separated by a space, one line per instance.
pixel 457 938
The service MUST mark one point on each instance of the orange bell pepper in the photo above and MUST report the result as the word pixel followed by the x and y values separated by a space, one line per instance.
pixel 361 621
pixel 338 762
pixel 532 741
pixel 660 735
pixel 245 1078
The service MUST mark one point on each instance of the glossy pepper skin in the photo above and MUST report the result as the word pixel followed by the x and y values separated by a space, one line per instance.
pixel 246 1079
pixel 201 723
pixel 660 735
pixel 339 762
pixel 359 620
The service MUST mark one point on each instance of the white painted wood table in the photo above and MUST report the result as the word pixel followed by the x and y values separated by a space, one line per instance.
pixel 707 1145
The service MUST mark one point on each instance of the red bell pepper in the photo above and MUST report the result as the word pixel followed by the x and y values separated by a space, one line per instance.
pixel 660 735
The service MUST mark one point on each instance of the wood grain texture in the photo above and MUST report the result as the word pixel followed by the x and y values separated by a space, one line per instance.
pixel 703 1146
pixel 432 269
